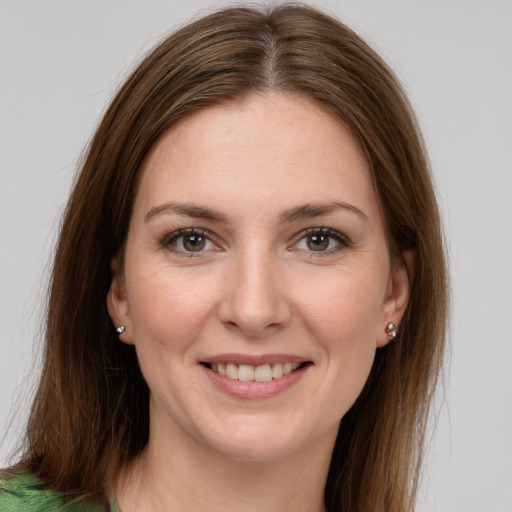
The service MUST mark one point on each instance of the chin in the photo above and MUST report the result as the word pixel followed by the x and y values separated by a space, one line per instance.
pixel 251 440
pixel 255 451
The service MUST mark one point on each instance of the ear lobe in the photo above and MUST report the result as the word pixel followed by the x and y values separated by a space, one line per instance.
pixel 397 294
pixel 117 302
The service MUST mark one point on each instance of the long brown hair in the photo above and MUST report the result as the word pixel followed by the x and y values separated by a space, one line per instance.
pixel 90 414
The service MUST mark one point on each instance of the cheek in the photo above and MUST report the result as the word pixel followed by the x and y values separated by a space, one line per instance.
pixel 342 314
pixel 169 308
pixel 344 310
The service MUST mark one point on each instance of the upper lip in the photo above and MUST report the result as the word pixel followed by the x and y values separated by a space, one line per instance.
pixel 254 360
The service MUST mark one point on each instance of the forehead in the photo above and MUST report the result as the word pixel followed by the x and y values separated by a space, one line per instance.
pixel 275 149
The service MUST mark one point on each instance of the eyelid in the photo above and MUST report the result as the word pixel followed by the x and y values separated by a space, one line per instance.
pixel 343 240
pixel 168 239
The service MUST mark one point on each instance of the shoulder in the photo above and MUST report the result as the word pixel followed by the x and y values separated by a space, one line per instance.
pixel 22 491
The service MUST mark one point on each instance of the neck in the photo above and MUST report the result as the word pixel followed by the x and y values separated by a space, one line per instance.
pixel 187 476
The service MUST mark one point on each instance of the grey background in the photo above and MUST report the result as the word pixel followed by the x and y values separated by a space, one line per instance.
pixel 60 62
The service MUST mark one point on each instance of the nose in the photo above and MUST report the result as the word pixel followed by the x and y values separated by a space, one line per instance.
pixel 255 301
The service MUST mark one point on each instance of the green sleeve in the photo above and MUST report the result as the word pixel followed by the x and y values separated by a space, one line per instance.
pixel 22 492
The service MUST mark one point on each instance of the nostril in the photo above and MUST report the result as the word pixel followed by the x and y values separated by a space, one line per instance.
pixel 253 308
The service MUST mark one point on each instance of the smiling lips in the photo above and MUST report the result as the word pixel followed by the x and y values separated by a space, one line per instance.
pixel 261 373
pixel 245 376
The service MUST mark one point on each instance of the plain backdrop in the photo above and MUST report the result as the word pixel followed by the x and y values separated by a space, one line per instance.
pixel 60 62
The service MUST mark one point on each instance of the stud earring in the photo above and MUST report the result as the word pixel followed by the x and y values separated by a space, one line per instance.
pixel 120 329
pixel 391 330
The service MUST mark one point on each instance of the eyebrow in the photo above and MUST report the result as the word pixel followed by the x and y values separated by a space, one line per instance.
pixel 189 210
pixel 310 210
pixel 305 211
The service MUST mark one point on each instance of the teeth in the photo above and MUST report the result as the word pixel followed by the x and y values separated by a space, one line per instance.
pixel 277 371
pixel 246 372
pixel 232 371
pixel 263 373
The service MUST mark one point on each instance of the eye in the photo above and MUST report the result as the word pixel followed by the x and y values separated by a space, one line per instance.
pixel 321 240
pixel 188 241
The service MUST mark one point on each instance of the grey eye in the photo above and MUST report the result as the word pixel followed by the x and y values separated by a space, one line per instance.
pixel 322 240
pixel 193 242
pixel 318 242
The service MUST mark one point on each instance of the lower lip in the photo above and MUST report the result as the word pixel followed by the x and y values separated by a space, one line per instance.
pixel 254 389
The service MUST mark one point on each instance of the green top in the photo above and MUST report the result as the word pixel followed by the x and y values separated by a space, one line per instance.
pixel 24 492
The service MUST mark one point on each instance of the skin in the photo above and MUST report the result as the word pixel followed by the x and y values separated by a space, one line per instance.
pixel 258 287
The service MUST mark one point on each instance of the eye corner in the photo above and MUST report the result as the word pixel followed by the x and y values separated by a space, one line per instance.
pixel 194 242
pixel 328 241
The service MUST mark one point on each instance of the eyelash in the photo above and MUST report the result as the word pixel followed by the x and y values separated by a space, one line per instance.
pixel 343 241
pixel 170 238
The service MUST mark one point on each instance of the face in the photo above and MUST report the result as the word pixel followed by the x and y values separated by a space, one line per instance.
pixel 257 282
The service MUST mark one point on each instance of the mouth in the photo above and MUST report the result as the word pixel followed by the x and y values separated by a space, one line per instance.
pixel 261 373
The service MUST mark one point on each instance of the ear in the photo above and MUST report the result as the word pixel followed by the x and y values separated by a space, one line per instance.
pixel 397 296
pixel 117 302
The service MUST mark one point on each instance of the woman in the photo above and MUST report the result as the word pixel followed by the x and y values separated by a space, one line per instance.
pixel 248 301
